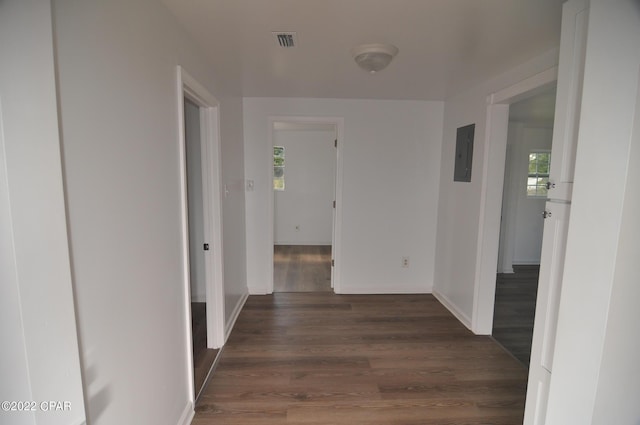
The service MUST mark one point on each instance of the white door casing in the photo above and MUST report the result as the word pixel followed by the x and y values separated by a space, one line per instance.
pixel 492 190
pixel 211 194
pixel 196 208
pixel 338 122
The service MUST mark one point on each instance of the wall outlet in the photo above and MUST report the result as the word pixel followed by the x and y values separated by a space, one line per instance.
pixel 405 262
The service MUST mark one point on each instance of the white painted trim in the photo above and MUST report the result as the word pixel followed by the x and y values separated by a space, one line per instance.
pixel 187 414
pixel 463 318
pixel 497 122
pixel 187 86
pixel 336 250
pixel 212 197
pixel 311 243
pixel 234 316
pixel 184 231
pixel 525 88
pixel 506 244
pixel 490 207
pixel 258 290
pixel 388 289
pixel 532 262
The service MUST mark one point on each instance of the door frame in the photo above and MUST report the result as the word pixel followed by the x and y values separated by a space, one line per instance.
pixel 338 122
pixel 497 123
pixel 188 87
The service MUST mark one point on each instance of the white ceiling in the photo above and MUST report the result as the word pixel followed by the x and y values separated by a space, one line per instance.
pixel 445 45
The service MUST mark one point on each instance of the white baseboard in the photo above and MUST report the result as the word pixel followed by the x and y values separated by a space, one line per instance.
pixel 234 316
pixel 258 290
pixel 463 318
pixel 304 243
pixel 534 262
pixel 385 289
pixel 187 415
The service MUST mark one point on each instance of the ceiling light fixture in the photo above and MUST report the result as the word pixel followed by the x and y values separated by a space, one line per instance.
pixel 374 57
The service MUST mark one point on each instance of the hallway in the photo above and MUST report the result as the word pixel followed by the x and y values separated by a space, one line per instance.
pixel 321 358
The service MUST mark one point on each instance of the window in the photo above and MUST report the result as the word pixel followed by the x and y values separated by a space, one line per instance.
pixel 538 175
pixel 278 168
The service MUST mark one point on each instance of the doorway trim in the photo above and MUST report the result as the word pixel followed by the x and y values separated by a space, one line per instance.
pixel 338 122
pixel 188 87
pixel 497 123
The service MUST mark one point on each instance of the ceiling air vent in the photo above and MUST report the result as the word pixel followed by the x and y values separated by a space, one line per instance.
pixel 285 39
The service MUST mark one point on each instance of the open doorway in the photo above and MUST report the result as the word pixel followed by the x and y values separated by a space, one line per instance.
pixel 203 356
pixel 304 194
pixel 530 132
pixel 199 144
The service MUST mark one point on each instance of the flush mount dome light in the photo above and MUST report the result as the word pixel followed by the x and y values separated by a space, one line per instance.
pixel 374 57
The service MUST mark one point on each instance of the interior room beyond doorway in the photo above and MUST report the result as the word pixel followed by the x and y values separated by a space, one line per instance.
pixel 302 268
pixel 524 196
pixel 304 194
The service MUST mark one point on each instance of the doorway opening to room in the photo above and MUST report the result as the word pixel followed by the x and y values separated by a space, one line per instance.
pixel 203 356
pixel 305 164
pixel 528 158
pixel 201 228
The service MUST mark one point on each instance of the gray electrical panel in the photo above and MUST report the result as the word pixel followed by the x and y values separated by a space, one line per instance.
pixel 464 153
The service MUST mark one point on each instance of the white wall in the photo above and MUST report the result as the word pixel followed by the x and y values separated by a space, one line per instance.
pixel 522 215
pixel 391 165
pixel 595 376
pixel 233 207
pixel 303 212
pixel 460 203
pixel 39 356
pixel 119 115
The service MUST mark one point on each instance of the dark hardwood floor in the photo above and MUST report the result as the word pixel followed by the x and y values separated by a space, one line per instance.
pixel 321 358
pixel 203 357
pixel 515 309
pixel 302 268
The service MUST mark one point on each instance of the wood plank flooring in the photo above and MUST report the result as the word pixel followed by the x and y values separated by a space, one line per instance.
pixel 321 358
pixel 203 357
pixel 302 268
pixel 515 309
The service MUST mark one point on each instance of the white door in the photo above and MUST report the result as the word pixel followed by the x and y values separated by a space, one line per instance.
pixel 573 45
pixel 39 354
pixel 565 135
pixel 548 300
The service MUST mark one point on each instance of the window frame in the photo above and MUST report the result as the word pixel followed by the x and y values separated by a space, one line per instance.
pixel 278 164
pixel 537 193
